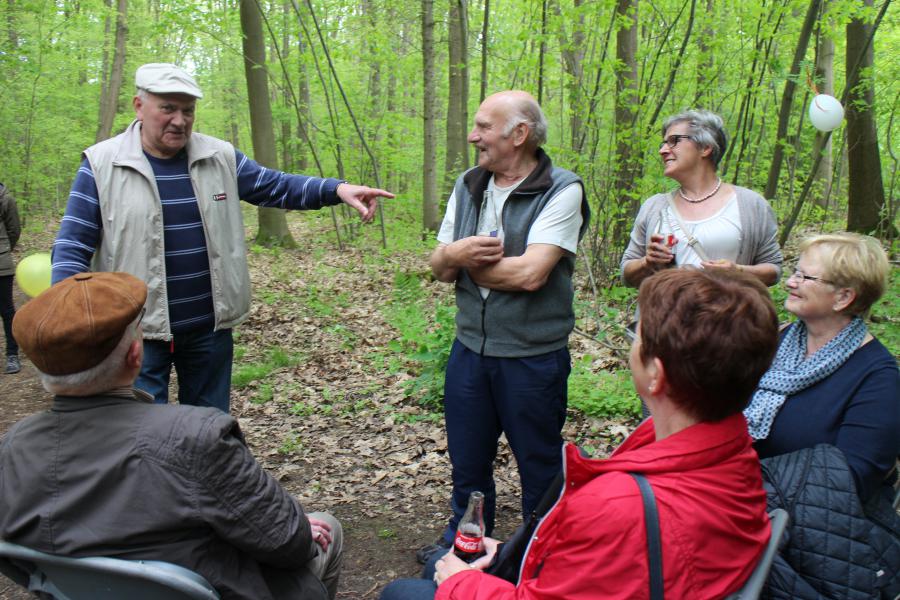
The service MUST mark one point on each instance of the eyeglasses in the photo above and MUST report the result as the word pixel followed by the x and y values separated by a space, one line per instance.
pixel 673 139
pixel 798 274
pixel 141 316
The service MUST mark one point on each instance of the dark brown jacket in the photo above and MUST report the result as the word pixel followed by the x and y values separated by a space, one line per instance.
pixel 118 476
pixel 9 231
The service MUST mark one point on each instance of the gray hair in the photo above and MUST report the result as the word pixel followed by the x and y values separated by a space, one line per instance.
pixel 100 377
pixel 528 111
pixel 706 129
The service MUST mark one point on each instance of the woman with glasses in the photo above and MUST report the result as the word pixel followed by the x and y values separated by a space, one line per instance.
pixel 831 381
pixel 705 222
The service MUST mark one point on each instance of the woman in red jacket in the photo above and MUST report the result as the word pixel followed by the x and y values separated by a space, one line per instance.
pixel 704 340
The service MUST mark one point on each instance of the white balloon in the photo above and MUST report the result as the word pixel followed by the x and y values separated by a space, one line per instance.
pixel 825 112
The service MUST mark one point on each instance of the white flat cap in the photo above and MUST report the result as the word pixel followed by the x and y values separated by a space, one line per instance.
pixel 166 78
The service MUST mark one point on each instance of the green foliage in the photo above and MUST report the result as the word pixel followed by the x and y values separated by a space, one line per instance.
pixel 291 444
pixel 273 251
pixel 425 339
pixel 275 358
pixel 319 302
pixel 602 393
pixel 302 409
pixel 265 393
pixel 779 295
pixel 884 321
pixel 429 417
pixel 346 335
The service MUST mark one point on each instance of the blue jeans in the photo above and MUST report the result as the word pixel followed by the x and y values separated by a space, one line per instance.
pixel 484 396
pixel 202 360
pixel 414 589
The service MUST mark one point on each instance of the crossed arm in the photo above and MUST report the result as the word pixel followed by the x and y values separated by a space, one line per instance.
pixel 483 258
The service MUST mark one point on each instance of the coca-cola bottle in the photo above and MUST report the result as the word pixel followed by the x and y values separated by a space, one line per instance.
pixel 469 542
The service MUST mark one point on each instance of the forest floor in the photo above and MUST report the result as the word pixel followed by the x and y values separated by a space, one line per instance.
pixel 327 412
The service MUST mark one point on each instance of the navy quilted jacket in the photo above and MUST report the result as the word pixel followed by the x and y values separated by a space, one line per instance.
pixel 835 547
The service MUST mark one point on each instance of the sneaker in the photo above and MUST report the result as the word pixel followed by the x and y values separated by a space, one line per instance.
pixel 12 364
pixel 426 552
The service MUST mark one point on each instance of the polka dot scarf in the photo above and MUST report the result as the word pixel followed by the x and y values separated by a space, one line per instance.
pixel 792 371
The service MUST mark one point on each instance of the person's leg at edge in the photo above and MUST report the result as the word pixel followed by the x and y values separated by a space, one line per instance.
pixel 155 370
pixel 8 311
pixel 327 564
pixel 473 429
pixel 414 589
pixel 203 363
pixel 409 589
pixel 532 396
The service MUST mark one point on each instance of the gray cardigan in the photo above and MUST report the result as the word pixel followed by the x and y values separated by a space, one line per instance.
pixel 758 244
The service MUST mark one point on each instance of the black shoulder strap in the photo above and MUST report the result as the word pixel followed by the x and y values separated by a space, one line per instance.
pixel 551 495
pixel 654 544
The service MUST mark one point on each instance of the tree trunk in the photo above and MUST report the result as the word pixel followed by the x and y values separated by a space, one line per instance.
pixel 273 229
pixel 542 52
pixel 303 98
pixel 484 50
pixel 787 99
pixel 865 193
pixel 393 174
pixel 661 101
pixel 485 30
pixel 455 159
pixel 373 108
pixel 705 62
pixel 749 100
pixel 627 154
pixel 11 32
pixel 572 45
pixel 430 217
pixel 288 147
pixel 109 100
pixel 104 63
pixel 825 84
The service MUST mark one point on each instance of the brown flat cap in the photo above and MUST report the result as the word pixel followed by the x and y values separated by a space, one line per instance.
pixel 75 324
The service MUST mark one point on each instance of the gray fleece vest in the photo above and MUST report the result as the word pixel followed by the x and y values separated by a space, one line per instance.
pixel 516 324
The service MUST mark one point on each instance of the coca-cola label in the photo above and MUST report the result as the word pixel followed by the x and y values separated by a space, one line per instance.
pixel 467 544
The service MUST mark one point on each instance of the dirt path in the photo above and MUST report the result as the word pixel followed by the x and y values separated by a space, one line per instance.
pixel 329 419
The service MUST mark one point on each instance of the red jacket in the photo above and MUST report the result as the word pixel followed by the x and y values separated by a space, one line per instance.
pixel 593 542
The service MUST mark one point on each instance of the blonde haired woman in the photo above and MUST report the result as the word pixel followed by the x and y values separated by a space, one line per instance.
pixel 832 382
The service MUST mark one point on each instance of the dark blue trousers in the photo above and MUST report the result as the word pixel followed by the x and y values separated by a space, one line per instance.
pixel 484 396
pixel 423 588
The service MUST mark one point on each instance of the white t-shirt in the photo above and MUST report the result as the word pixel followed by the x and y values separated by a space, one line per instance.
pixel 720 234
pixel 558 224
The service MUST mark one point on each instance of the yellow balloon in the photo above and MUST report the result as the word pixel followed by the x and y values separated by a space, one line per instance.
pixel 33 273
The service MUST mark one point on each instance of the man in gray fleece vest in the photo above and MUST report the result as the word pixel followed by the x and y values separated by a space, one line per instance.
pixel 508 242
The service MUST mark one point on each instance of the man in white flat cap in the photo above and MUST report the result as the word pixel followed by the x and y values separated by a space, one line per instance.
pixel 163 204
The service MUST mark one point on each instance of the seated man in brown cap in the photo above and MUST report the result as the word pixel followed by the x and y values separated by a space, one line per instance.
pixel 105 472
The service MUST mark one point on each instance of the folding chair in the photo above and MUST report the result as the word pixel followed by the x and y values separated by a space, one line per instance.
pixel 100 578
pixel 754 585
